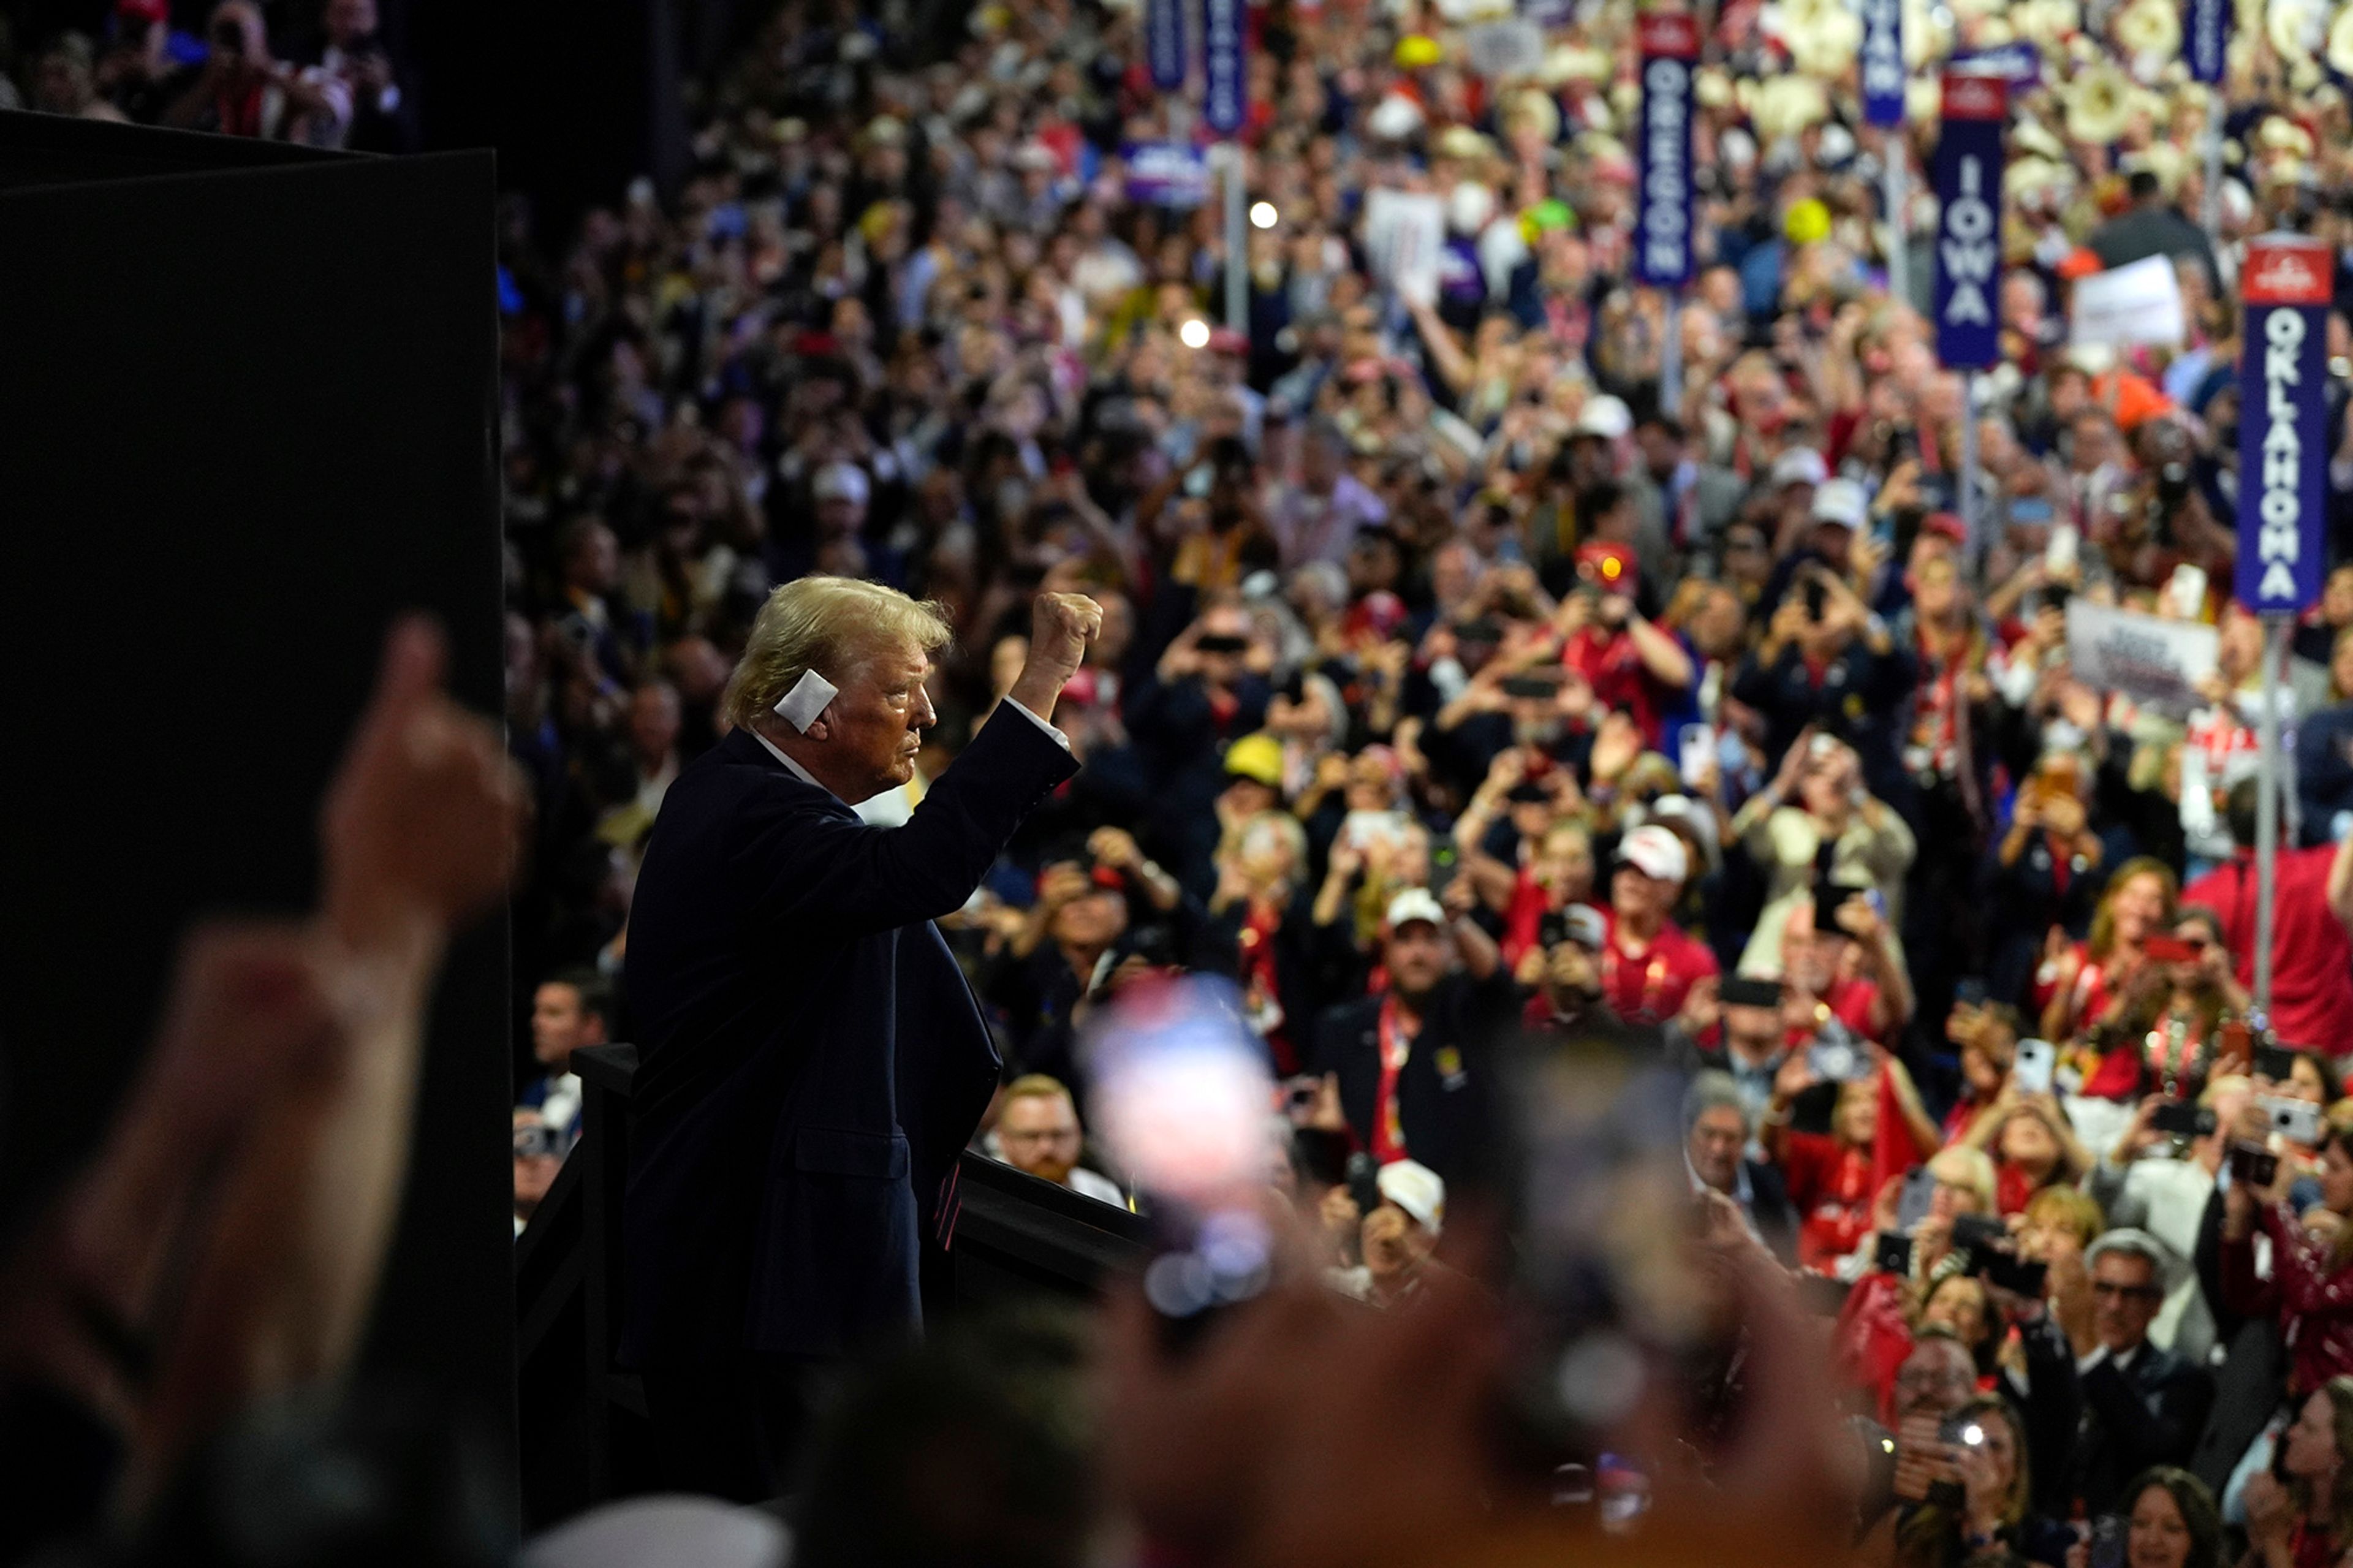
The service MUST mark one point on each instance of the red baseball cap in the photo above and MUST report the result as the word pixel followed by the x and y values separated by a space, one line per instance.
pixel 1948 524
pixel 1612 565
pixel 1380 612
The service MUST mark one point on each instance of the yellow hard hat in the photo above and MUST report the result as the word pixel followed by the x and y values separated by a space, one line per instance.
pixel 1807 222
pixel 1258 757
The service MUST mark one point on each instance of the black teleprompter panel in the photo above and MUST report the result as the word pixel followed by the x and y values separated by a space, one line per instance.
pixel 246 416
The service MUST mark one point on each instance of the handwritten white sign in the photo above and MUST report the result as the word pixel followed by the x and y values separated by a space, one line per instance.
pixel 2154 661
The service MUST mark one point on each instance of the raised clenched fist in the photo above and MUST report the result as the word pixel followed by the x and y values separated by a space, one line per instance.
pixel 1061 627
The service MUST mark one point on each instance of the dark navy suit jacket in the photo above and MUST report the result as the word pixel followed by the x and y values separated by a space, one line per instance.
pixel 811 1060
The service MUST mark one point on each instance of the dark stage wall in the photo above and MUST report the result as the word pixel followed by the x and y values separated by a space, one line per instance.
pixel 245 416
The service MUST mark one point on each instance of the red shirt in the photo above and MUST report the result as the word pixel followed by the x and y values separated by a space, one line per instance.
pixel 1619 677
pixel 1852 1001
pixel 1523 917
pixel 1829 1182
pixel 2312 961
pixel 1648 987
pixel 2302 1291
pixel 2013 1189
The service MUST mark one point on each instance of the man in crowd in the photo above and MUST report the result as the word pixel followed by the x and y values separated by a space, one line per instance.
pixel 573 1010
pixel 2142 1405
pixel 2312 956
pixel 1411 1065
pixel 2167 1187
pixel 1038 1133
pixel 1716 1131
pixel 1398 1235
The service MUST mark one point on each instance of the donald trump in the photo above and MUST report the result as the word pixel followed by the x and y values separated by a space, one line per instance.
pixel 812 1061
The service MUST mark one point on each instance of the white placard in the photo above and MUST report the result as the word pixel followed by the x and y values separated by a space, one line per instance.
pixel 2138 303
pixel 1507 49
pixel 1404 232
pixel 2156 662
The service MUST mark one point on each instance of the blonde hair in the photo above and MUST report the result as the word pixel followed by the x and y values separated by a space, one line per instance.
pixel 2071 1208
pixel 2103 938
pixel 1964 1167
pixel 1037 1086
pixel 835 625
pixel 2223 1084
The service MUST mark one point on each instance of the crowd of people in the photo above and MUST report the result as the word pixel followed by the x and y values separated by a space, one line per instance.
pixel 1455 682
pixel 316 74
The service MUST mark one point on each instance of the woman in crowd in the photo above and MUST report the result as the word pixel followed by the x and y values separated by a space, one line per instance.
pixel 2170 1521
pixel 1992 1521
pixel 2083 987
pixel 1550 867
pixel 1959 1302
pixel 2306 1521
pixel 2310 1285
pixel 1261 932
pixel 2046 872
pixel 2058 1225
pixel 1874 1327
pixel 2033 1149
pixel 1817 806
pixel 1986 1035
pixel 2185 1012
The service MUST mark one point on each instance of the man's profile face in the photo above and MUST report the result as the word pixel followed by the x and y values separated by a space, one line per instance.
pixel 877 722
pixel 1717 1137
pixel 560 1025
pixel 1039 1134
pixel 2124 1299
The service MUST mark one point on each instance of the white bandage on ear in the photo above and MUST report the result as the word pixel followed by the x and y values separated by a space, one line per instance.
pixel 806 700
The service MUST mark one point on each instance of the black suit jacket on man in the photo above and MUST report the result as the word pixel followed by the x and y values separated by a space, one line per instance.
pixel 1445 1094
pixel 812 1060
pixel 1772 1211
pixel 2151 1413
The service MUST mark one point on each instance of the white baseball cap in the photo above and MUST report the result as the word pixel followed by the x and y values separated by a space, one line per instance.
pixel 1417 1189
pixel 1800 465
pixel 1841 501
pixel 1415 904
pixel 1583 924
pixel 1606 417
pixel 1656 852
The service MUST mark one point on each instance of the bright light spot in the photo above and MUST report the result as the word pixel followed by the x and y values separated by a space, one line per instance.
pixel 1261 214
pixel 1194 333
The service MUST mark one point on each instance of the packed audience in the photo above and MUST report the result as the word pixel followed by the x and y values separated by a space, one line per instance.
pixel 1455 682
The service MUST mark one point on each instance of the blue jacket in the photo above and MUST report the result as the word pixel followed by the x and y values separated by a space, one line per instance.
pixel 812 1061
